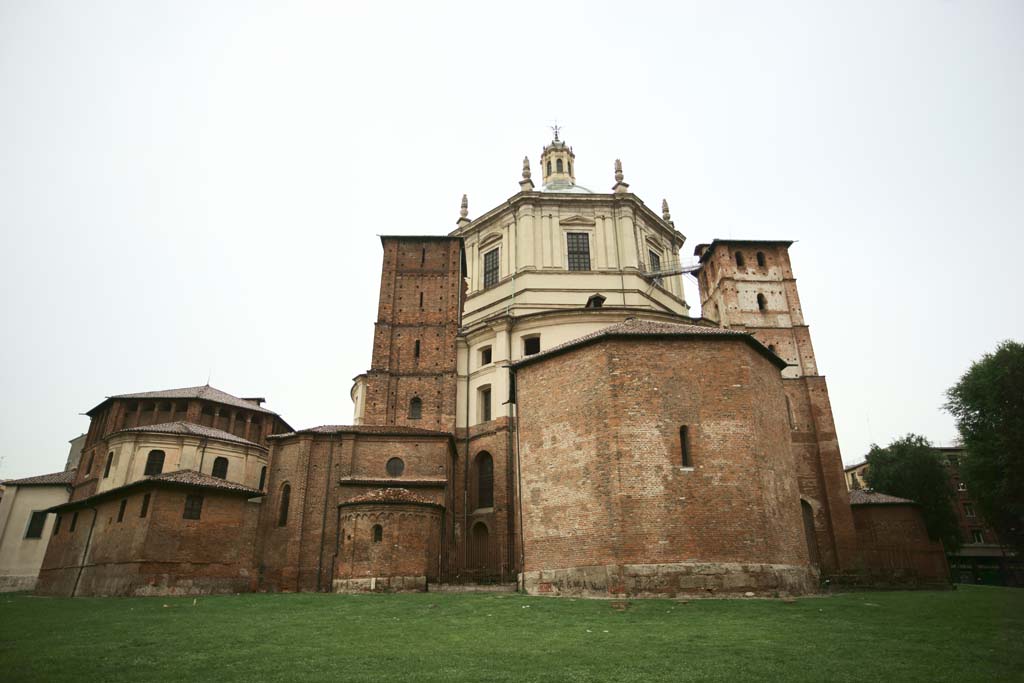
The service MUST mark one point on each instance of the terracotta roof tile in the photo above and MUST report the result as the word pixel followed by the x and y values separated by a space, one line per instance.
pixel 54 479
pixel 635 327
pixel 872 497
pixel 191 429
pixel 205 392
pixel 389 495
pixel 182 478
pixel 364 429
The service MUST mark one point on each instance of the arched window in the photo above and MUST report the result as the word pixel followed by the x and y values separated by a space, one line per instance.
pixel 684 446
pixel 92 458
pixel 558 165
pixel 570 167
pixel 263 477
pixel 154 464
pixel 549 168
pixel 378 533
pixel 484 480
pixel 739 260
pixel 762 302
pixel 282 514
pixel 220 468
pixel 415 408
pixel 760 259
pixel 110 461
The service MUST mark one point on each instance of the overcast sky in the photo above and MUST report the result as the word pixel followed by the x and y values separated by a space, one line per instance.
pixel 192 190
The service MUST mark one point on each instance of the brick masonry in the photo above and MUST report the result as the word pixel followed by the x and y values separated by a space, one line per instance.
pixel 603 483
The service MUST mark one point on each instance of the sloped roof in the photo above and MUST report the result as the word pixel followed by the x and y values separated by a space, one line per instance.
pixel 389 496
pixel 872 497
pixel 365 429
pixel 635 327
pixel 65 478
pixel 191 429
pixel 205 392
pixel 177 478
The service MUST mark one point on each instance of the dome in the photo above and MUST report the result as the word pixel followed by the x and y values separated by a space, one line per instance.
pixel 564 186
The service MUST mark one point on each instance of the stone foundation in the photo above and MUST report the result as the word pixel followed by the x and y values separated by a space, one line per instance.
pixel 381 584
pixel 671 580
pixel 10 584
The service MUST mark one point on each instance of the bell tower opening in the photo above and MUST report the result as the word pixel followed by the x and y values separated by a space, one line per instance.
pixel 557 161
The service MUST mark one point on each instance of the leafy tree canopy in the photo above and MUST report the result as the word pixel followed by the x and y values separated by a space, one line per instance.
pixel 988 404
pixel 911 468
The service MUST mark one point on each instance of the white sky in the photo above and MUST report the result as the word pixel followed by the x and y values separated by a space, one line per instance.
pixel 194 189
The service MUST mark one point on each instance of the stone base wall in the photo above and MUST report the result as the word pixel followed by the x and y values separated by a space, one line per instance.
pixel 381 584
pixel 10 584
pixel 671 580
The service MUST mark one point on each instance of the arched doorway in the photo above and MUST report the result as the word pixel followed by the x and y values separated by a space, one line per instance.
pixel 810 536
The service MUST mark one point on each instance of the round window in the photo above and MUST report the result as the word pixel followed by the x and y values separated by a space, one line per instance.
pixel 395 467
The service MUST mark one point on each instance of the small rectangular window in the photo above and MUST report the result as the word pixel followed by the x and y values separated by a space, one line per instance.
pixel 193 507
pixel 485 404
pixel 485 355
pixel 531 345
pixel 74 522
pixel 56 524
pixel 491 271
pixel 416 349
pixel 145 506
pixel 655 261
pixel 684 446
pixel 578 244
pixel 36 524
pixel 120 511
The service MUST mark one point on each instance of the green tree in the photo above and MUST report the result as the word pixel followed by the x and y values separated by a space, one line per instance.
pixel 911 468
pixel 988 404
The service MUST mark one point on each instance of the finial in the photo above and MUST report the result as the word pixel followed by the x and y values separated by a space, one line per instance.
pixel 664 211
pixel 526 185
pixel 555 129
pixel 463 212
pixel 619 186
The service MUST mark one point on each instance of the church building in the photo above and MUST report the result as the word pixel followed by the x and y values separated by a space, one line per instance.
pixel 540 408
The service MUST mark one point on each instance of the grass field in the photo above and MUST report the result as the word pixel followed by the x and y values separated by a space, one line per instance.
pixel 972 634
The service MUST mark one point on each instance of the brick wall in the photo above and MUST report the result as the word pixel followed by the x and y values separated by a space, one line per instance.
pixel 161 553
pixel 895 547
pixel 414 337
pixel 601 469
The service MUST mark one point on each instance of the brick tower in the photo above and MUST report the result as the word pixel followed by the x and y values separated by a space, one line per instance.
pixel 749 285
pixel 411 381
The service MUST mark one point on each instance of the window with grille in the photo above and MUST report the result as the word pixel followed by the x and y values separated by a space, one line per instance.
pixel 36 524
pixel 491 271
pixel 579 250
pixel 415 408
pixel 655 258
pixel 193 507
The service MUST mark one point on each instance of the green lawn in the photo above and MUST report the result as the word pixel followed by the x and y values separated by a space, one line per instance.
pixel 972 634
